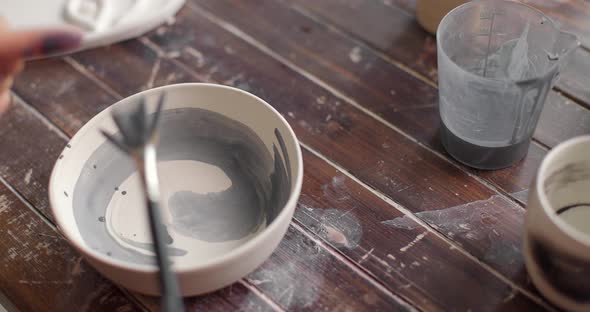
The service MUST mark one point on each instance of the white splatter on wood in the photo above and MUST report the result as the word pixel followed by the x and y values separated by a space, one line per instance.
pixel 355 55
pixel 173 54
pixel 28 176
pixel 229 50
pixel 4 203
pixel 366 256
pixel 464 226
pixel 233 79
pixel 418 238
pixel 284 284
pixel 478 221
pixel 321 100
pixel 390 256
pixel 13 236
pixel 199 58
pixel 258 282
pixel 342 229
pixel 510 296
pixel 64 87
pixel 306 126
pixel 12 253
pixel 336 190
pixel 384 263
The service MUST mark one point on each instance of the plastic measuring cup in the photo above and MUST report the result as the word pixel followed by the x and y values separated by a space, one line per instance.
pixel 497 60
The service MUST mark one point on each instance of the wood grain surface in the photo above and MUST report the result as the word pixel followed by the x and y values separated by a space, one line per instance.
pixel 398 39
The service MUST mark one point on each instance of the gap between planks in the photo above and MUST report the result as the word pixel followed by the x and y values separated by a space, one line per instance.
pixel 240 34
pixel 403 210
pixel 66 137
pixel 40 214
pixel 252 41
pixel 385 57
pixel 329 249
pixel 430 229
pixel 245 37
pixel 352 265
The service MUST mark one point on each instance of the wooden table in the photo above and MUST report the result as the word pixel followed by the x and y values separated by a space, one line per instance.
pixel 386 220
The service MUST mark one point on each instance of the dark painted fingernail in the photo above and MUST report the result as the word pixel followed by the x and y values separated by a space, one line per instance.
pixel 54 43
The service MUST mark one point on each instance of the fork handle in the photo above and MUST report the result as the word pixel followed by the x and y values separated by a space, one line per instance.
pixel 147 167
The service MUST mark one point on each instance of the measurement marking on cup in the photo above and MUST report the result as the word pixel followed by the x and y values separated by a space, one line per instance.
pixel 485 66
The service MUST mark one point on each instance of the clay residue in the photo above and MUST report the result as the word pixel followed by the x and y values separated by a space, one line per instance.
pixel 341 228
pixel 482 222
pixel 285 283
pixel 260 180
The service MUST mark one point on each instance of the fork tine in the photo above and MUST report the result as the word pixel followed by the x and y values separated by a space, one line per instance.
pixel 140 117
pixel 156 118
pixel 114 141
pixel 122 125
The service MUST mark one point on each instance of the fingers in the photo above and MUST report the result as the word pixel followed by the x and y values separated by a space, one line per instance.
pixel 19 44
pixel 4 100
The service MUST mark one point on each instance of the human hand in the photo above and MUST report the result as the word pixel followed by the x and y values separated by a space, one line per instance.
pixel 16 46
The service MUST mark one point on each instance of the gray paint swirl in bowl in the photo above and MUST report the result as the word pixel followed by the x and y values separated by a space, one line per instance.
pixel 260 183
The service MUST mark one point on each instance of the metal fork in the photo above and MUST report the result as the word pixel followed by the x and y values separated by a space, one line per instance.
pixel 138 138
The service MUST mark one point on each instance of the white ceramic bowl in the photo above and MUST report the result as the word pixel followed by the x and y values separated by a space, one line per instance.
pixel 230 170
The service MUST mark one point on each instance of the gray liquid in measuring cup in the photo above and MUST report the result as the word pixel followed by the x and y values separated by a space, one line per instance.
pixel 481 156
pixel 492 119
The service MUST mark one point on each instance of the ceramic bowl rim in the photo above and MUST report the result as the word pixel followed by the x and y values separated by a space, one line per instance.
pixel 563 226
pixel 219 261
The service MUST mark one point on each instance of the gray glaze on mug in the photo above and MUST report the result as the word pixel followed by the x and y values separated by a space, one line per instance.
pixel 260 187
pixel 565 271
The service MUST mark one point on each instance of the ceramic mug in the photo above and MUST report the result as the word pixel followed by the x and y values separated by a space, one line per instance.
pixel 557 226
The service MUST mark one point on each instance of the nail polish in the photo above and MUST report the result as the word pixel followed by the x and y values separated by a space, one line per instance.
pixel 54 43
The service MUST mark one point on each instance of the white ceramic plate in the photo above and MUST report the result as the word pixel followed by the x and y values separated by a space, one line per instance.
pixel 230 169
pixel 103 21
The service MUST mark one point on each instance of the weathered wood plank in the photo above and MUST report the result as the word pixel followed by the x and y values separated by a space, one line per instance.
pixel 38 269
pixel 412 176
pixel 339 278
pixel 400 252
pixel 568 126
pixel 572 15
pixel 362 76
pixel 29 149
pixel 400 39
pixel 330 204
pixel 576 75
pixel 25 165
